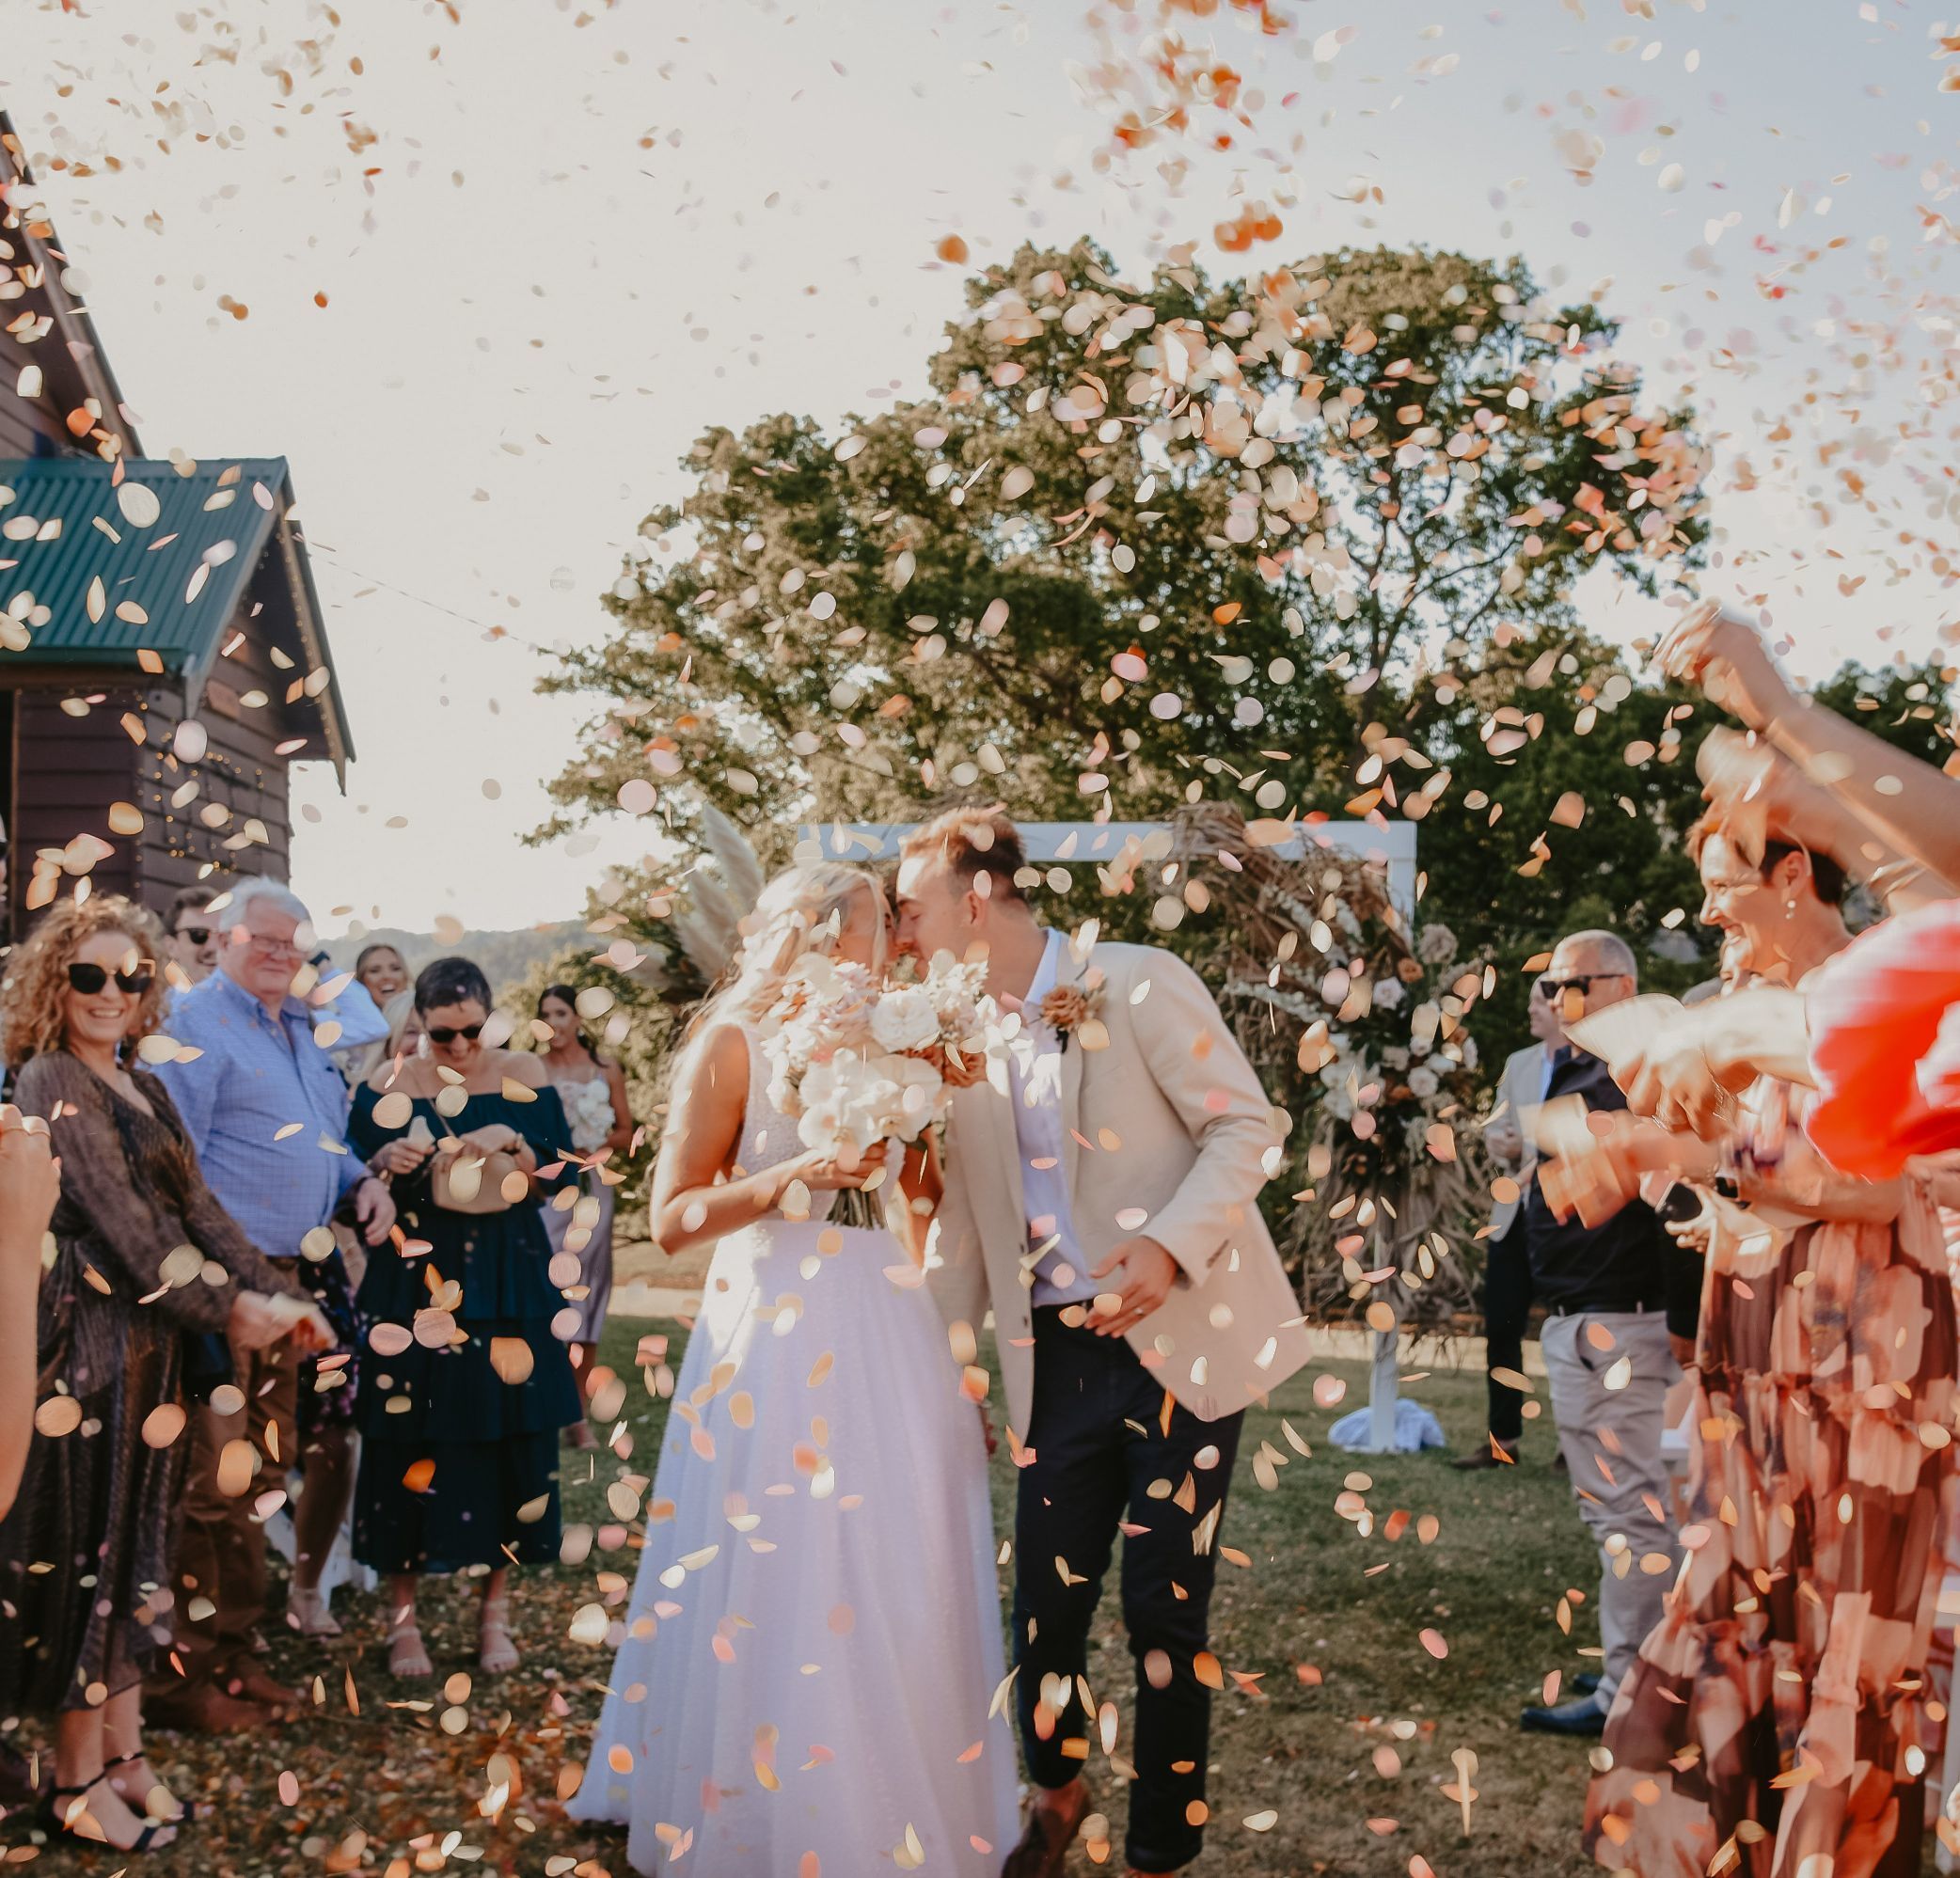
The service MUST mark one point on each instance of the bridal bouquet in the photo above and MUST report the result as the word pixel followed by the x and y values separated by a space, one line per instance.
pixel 851 1059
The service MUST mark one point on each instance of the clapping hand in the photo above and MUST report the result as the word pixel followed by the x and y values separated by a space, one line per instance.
pixel 1666 1074
pixel 400 1157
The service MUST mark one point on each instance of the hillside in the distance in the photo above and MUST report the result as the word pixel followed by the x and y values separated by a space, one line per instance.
pixel 505 956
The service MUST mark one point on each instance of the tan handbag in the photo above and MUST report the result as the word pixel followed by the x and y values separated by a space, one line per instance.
pixel 467 1182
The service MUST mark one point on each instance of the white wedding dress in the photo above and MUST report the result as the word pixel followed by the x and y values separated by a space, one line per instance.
pixel 809 1655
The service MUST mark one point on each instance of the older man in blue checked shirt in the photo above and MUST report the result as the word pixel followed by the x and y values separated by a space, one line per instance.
pixel 267 1110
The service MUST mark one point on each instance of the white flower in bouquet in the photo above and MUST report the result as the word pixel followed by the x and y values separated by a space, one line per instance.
pixel 958 994
pixel 1388 995
pixel 1422 1083
pixel 866 1099
pixel 823 1007
pixel 903 1020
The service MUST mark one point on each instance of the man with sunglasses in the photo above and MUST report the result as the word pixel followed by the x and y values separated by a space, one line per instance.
pixel 1612 1292
pixel 193 930
pixel 267 1111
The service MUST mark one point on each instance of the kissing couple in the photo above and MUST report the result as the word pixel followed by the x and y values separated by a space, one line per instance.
pixel 810 1676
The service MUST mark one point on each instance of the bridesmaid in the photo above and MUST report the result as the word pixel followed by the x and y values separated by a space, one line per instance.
pixel 466 1389
pixel 593 1090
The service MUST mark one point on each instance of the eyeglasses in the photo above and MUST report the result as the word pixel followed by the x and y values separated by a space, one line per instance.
pixel 90 979
pixel 196 934
pixel 1552 989
pixel 273 947
pixel 443 1034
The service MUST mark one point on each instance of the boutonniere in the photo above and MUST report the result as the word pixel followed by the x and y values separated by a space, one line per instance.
pixel 1076 1010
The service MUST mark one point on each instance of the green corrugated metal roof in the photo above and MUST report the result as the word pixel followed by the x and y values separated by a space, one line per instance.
pixel 220 517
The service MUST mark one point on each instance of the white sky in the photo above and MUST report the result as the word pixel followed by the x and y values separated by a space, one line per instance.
pixel 529 315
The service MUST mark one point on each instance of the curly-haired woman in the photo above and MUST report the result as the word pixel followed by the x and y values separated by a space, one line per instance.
pixel 143 1255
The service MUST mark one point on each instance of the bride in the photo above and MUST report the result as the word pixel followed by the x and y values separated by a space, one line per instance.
pixel 814 1643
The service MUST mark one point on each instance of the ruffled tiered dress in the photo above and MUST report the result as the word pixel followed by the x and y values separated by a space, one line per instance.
pixel 460 1428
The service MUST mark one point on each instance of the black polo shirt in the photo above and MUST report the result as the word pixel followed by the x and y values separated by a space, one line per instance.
pixel 1628 1263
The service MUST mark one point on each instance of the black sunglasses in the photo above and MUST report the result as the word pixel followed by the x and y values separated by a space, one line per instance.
pixel 196 934
pixel 1553 989
pixel 90 979
pixel 443 1034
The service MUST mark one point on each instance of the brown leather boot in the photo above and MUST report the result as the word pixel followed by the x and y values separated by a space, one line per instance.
pixel 1045 1842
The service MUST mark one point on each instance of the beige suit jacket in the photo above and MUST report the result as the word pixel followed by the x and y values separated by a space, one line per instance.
pixel 1168 1134
pixel 1520 1093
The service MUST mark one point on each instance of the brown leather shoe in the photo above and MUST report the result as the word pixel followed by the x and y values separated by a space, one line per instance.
pixel 1045 1842
pixel 1492 1454
pixel 196 1708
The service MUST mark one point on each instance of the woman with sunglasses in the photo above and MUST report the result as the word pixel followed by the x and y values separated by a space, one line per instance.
pixel 467 1384
pixel 144 1253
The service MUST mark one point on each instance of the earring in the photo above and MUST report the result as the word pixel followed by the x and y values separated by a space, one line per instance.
pixel 1790 907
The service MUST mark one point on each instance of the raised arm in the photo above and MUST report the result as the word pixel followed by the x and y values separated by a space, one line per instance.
pixel 1914 820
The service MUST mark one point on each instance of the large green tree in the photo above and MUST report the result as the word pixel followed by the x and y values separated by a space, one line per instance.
pixel 1140 544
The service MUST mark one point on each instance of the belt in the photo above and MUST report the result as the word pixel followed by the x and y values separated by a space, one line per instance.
pixel 1582 1310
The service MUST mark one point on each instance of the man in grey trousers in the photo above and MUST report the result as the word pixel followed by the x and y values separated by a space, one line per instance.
pixel 1611 1293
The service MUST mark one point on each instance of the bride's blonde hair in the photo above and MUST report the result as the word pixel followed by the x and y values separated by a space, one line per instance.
pixel 800 910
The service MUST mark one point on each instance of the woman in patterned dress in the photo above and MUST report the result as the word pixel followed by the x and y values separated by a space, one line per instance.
pixel 1775 1727
pixel 143 1255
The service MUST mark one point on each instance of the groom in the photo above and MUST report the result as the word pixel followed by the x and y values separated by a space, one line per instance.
pixel 1102 1189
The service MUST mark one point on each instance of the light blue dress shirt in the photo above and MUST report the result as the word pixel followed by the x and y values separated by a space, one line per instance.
pixel 256 1076
pixel 1035 1078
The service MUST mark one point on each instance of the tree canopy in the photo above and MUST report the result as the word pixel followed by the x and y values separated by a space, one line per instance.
pixel 1140 544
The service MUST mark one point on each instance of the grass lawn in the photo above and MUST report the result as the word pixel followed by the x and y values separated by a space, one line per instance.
pixel 1347 1733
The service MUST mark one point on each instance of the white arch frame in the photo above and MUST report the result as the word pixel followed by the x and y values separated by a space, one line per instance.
pixel 1390 844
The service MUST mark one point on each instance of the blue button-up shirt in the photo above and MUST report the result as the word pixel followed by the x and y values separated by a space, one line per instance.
pixel 259 1075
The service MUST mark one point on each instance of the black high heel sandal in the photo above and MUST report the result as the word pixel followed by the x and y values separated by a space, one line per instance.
pixel 56 1818
pixel 186 1810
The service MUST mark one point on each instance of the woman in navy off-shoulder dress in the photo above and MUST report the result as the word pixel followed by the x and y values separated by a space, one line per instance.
pixel 466 1384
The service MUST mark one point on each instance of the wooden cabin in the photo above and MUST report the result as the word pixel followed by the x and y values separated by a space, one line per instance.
pixel 163 658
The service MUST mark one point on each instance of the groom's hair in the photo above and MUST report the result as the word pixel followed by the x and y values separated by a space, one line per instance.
pixel 974 842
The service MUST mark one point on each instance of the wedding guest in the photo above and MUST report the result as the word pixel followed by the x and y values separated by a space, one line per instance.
pixel 257 1069
pixel 459 1441
pixel 1800 1633
pixel 192 949
pixel 144 1252
pixel 578 1220
pixel 1507 1273
pixel 381 971
pixel 1613 1293
pixel 404 1031
pixel 30 1183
